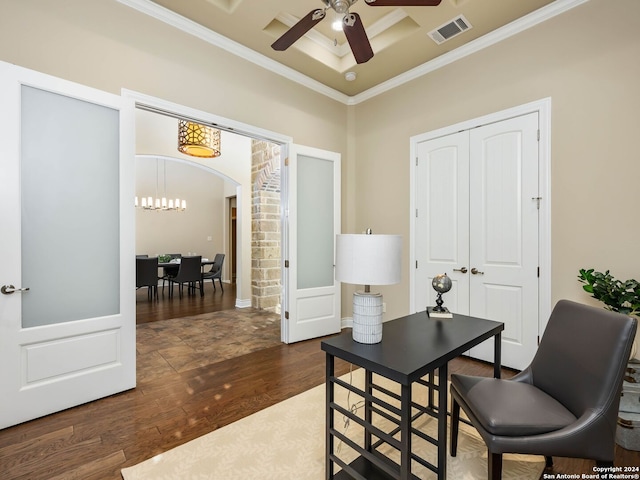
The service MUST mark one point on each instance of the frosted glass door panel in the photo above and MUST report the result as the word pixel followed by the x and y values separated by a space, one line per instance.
pixel 70 209
pixel 315 222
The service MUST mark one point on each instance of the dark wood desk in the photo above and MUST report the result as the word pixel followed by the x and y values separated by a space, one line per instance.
pixel 412 347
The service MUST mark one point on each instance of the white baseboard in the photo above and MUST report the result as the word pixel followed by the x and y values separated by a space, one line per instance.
pixel 346 322
pixel 240 303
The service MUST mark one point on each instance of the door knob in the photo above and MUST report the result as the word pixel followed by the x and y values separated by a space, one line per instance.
pixel 9 289
pixel 475 271
pixel 462 270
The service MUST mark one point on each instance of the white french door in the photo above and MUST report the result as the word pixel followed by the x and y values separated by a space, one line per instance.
pixel 67 308
pixel 477 204
pixel 311 221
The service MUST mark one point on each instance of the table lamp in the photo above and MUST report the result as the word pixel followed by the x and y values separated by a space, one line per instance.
pixel 366 259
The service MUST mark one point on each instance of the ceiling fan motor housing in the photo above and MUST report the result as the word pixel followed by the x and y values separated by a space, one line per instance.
pixel 340 6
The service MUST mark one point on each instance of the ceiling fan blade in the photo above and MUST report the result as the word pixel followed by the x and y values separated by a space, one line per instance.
pixel 305 24
pixel 357 37
pixel 403 3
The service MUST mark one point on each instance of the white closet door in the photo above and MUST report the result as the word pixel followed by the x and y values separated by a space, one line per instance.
pixel 504 234
pixel 442 229
pixel 477 212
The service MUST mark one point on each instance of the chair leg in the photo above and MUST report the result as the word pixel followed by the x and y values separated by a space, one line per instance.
pixel 494 461
pixel 548 461
pixel 221 288
pixel 201 288
pixel 604 464
pixel 455 424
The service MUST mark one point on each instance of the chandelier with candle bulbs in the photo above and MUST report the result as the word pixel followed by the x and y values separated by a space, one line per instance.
pixel 161 203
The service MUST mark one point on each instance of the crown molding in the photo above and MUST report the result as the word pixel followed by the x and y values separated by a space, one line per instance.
pixel 192 28
pixel 165 15
pixel 523 23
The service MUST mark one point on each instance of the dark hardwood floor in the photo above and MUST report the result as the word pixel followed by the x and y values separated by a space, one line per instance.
pixel 94 441
pixel 163 308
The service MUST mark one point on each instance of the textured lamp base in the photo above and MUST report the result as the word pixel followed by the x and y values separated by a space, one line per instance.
pixel 367 317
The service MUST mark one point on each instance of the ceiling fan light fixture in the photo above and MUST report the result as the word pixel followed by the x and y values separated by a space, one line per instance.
pixel 336 25
pixel 198 140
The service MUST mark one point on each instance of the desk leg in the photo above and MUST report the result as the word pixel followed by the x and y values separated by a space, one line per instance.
pixel 368 416
pixel 405 432
pixel 497 355
pixel 329 416
pixel 443 374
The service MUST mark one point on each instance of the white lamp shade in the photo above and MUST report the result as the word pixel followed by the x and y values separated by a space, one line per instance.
pixel 368 259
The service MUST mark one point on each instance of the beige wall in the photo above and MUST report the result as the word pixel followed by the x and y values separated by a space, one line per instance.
pixel 593 82
pixel 180 232
pixel 586 60
pixel 110 46
pixel 106 45
pixel 211 181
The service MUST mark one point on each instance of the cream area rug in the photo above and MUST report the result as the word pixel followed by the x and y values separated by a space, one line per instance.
pixel 287 441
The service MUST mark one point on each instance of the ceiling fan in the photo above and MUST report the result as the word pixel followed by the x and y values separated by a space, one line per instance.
pixel 351 24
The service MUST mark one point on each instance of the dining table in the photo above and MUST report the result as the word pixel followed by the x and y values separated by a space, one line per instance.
pixel 174 266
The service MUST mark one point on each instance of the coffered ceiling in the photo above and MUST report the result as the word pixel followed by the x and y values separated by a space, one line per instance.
pixel 399 36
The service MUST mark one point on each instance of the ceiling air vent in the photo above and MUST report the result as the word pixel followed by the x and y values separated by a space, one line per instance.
pixel 450 29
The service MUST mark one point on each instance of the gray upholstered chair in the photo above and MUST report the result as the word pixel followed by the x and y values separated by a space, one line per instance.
pixel 215 271
pixel 565 403
pixel 189 272
pixel 147 275
pixel 170 272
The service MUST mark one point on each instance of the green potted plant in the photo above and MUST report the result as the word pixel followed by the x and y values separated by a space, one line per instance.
pixel 618 296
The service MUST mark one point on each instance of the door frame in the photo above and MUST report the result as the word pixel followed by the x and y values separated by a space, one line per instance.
pixel 543 108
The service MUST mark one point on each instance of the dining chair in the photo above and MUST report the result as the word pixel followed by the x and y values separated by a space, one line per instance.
pixel 215 271
pixel 565 403
pixel 189 272
pixel 169 272
pixel 147 275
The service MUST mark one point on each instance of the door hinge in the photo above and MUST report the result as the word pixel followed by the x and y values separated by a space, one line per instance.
pixel 286 161
pixel 416 161
pixel 286 315
pixel 416 263
pixel 538 134
pixel 416 213
pixel 286 264
pixel 538 340
pixel 538 272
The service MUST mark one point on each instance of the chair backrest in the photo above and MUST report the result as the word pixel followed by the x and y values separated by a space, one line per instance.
pixel 217 263
pixel 142 256
pixel 190 269
pixel 175 255
pixel 582 357
pixel 146 271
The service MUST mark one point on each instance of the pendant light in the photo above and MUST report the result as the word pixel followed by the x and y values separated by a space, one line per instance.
pixel 198 140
